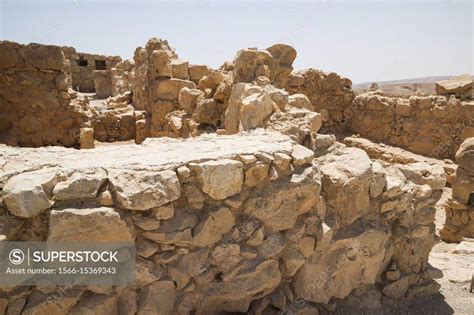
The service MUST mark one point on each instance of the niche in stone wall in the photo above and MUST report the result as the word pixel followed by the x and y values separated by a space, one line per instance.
pixel 82 63
pixel 470 201
pixel 100 65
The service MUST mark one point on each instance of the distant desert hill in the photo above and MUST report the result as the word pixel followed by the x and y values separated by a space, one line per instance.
pixel 423 85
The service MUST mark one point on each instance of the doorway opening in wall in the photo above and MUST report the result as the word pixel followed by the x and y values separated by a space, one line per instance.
pixel 82 63
pixel 100 65
pixel 470 201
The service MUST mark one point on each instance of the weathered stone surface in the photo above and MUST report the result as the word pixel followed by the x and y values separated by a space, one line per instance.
pixel 235 296
pixel 97 304
pixel 90 224
pixel 343 266
pixel 299 124
pixel 161 61
pixel 86 138
pixel 157 298
pixel 82 184
pixel 189 98
pixel 255 110
pixel 460 86
pixel 300 101
pixel 250 106
pixel 207 112
pixel 346 175
pixel 465 155
pixel 45 57
pixel 37 107
pixel 426 125
pixel 180 69
pixel 256 174
pixel 143 190
pixel 279 205
pixel 169 89
pixel 330 94
pixel 217 224
pixel 28 194
pixel 301 155
pixel 221 179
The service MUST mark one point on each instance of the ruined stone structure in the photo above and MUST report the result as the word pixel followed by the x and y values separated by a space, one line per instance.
pixel 460 208
pixel 82 67
pixel 230 223
pixel 433 126
pixel 36 106
pixel 240 205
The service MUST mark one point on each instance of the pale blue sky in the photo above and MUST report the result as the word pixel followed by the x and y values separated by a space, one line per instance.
pixel 365 41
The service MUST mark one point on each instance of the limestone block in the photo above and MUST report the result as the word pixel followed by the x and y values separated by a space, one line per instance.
pixel 143 190
pixel 28 194
pixel 90 224
pixel 221 179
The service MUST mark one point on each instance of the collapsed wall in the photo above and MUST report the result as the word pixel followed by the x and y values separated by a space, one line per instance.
pixel 37 107
pixel 460 207
pixel 251 222
pixel 433 126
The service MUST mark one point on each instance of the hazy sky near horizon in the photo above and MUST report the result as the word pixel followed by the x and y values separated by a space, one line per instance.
pixel 365 41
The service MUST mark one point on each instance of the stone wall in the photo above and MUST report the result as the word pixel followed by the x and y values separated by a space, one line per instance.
pixel 37 108
pixel 82 67
pixel 329 93
pixel 251 222
pixel 460 207
pixel 430 125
